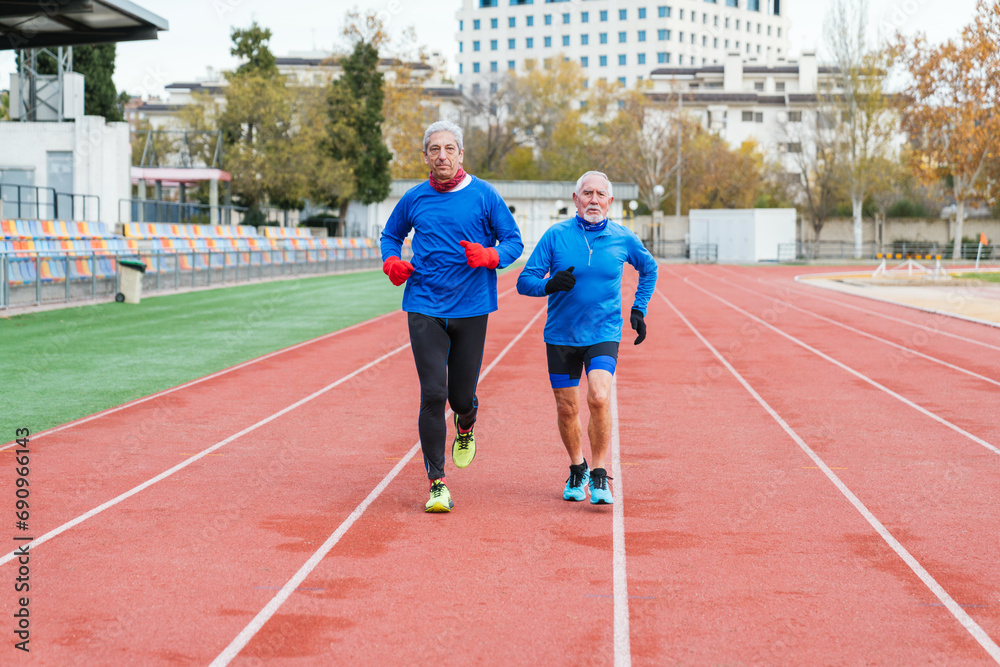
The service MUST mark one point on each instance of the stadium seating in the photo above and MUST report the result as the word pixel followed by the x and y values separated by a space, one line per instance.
pixel 54 250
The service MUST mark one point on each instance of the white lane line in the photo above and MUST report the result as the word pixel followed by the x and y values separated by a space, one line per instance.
pixel 805 288
pixel 205 452
pixel 262 617
pixel 860 332
pixel 191 383
pixel 956 610
pixel 623 648
pixel 861 376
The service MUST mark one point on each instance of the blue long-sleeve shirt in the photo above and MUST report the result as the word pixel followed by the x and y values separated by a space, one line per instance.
pixel 589 313
pixel 443 284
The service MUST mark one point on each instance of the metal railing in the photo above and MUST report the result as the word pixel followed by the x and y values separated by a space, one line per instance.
pixel 37 277
pixel 44 203
pixel 151 210
pixel 696 252
pixel 844 250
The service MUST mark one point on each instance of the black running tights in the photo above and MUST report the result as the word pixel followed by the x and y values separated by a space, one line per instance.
pixel 448 353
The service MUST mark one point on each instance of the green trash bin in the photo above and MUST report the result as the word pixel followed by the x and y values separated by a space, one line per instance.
pixel 131 271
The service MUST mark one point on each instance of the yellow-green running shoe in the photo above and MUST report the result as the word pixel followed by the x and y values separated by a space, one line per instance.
pixel 463 448
pixel 440 500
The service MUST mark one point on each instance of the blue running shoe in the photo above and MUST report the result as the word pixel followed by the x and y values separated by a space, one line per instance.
pixel 576 485
pixel 600 494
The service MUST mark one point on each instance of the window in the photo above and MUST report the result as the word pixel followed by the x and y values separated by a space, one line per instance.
pixel 475 24
pixel 510 65
pixel 461 25
pixel 692 38
pixel 548 42
pixel 758 28
pixel 622 60
pixel 493 23
pixel 622 37
pixel 753 5
pixel 604 15
pixel 727 22
pixel 520 2
pixel 512 22
pixel 642 35
pixel 680 36
pixel 715 42
pixel 475 67
pixel 511 43
pixel 642 12
pixel 732 3
pixel 758 85
pixel 493 45
pixel 663 35
pixel 621 82
pixel 460 47
pixel 663 12
pixel 565 40
pixel 460 68
pixel 622 14
pixel 475 46
pixel 737 24
pixel 779 32
pixel 584 61
pixel 704 40
pixel 493 88
pixel 530 20
pixel 780 86
pixel 680 15
pixel 603 38
pixel 487 3
pixel 640 58
pixel 604 61
pixel 768 31
pixel 748 116
pixel 794 116
pixel 548 19
pixel 493 66
pixel 475 89
pixel 584 40
pixel 565 19
pixel 758 117
pixel 529 42
pixel 662 57
pixel 794 147
pixel 584 17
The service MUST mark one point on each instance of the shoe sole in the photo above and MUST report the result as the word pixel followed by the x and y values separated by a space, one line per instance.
pixel 439 507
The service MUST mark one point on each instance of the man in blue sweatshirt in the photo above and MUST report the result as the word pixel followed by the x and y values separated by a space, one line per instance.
pixel 583 258
pixel 462 231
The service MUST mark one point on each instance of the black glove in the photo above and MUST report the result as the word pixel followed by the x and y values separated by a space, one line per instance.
pixel 638 324
pixel 562 281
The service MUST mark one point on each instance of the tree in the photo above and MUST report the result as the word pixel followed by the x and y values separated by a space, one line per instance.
pixel 949 108
pixel 251 45
pixel 716 176
pixel 406 117
pixel 490 136
pixel 4 106
pixel 650 133
pixel 355 112
pixel 866 122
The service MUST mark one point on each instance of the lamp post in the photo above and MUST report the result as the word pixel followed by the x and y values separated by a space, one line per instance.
pixel 658 191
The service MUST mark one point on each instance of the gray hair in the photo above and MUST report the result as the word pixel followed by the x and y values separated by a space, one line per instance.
pixel 579 183
pixel 443 126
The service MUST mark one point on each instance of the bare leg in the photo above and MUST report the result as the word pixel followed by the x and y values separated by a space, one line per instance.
pixel 599 402
pixel 570 429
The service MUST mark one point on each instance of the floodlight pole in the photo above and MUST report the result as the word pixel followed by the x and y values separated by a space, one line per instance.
pixel 677 203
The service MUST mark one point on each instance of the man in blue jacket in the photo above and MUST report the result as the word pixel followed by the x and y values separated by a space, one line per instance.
pixel 583 258
pixel 462 231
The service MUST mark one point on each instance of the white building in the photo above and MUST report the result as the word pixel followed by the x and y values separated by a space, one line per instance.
pixel 773 104
pixel 614 40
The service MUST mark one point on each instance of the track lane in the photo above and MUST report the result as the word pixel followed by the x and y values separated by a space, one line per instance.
pixel 926 487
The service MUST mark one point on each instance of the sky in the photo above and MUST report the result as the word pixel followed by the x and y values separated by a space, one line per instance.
pixel 198 37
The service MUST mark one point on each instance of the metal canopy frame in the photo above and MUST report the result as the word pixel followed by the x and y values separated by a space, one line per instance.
pixel 28 24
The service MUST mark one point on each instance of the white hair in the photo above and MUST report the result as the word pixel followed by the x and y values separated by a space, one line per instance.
pixel 579 183
pixel 443 126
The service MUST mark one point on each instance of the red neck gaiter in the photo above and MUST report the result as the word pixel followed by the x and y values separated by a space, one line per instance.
pixel 449 184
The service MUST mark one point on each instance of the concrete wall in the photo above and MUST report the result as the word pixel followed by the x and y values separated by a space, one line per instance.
pixel 897 229
pixel 101 157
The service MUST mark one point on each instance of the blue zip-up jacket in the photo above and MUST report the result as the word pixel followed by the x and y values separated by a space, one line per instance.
pixel 443 284
pixel 589 313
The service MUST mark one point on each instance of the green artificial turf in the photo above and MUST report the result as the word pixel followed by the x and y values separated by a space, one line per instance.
pixel 60 365
pixel 989 277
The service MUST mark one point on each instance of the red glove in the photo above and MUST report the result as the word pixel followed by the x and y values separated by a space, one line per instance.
pixel 397 270
pixel 478 256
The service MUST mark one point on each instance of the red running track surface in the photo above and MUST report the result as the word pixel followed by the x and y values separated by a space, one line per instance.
pixel 825 493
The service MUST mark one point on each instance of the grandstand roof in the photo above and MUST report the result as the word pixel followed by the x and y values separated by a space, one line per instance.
pixel 32 24
pixel 175 175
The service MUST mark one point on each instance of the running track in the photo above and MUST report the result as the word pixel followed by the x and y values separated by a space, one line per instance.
pixel 801 477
